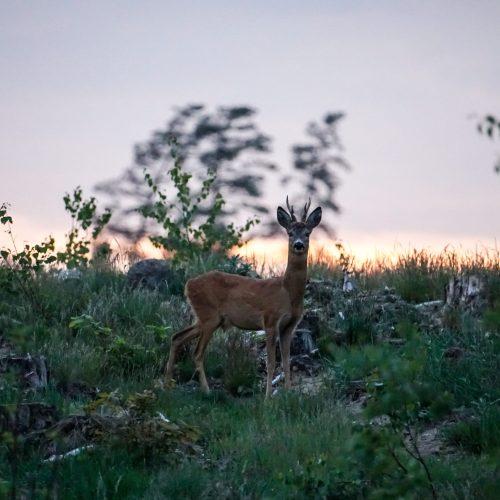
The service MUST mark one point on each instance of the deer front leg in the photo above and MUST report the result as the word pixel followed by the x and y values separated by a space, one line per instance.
pixel 271 335
pixel 285 342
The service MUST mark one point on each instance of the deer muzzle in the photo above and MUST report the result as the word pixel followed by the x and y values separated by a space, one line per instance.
pixel 299 246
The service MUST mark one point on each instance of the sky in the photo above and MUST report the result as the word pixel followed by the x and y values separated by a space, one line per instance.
pixel 83 81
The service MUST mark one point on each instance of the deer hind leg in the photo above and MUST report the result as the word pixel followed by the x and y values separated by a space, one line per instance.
pixel 206 331
pixel 178 339
pixel 271 337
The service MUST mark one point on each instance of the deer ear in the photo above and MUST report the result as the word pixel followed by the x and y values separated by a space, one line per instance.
pixel 283 218
pixel 314 218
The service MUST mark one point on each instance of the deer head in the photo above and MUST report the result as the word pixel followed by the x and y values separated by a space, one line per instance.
pixel 298 231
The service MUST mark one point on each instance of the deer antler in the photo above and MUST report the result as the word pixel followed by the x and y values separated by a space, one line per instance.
pixel 306 209
pixel 290 209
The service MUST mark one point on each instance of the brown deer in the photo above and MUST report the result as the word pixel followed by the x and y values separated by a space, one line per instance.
pixel 275 305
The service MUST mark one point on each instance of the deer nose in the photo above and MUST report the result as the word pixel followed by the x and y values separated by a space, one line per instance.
pixel 299 246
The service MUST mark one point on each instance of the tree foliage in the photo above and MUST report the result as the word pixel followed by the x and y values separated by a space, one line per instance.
pixel 490 125
pixel 219 145
pixel 227 146
pixel 314 161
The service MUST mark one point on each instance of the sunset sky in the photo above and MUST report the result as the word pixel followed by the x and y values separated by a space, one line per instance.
pixel 82 81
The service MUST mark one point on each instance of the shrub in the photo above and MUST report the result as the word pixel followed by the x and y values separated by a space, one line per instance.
pixel 184 235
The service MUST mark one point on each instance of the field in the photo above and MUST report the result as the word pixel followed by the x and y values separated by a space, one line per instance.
pixel 405 402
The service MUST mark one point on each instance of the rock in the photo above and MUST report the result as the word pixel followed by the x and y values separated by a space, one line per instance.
pixel 302 343
pixel 32 370
pixel 357 316
pixel 305 363
pixel 310 321
pixel 68 274
pixel 24 418
pixel 306 333
pixel 321 292
pixel 155 274
pixel 6 348
pixel 308 385
pixel 76 389
pixel 348 284
pixel 356 390
pixel 465 292
pixel 454 352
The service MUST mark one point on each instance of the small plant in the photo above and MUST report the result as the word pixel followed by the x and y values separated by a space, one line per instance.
pixel 480 432
pixel 20 267
pixel 346 262
pixel 29 260
pixel 318 478
pixel 36 258
pixel 86 323
pixel 122 356
pixel 84 215
pixel 386 444
pixel 23 266
pixel 184 236
pixel 125 357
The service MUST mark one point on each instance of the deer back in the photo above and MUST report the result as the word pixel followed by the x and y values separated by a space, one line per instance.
pixel 240 301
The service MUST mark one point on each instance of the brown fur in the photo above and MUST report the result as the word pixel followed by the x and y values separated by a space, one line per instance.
pixel 221 300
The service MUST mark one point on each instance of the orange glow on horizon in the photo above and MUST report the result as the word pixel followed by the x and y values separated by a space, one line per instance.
pixel 272 252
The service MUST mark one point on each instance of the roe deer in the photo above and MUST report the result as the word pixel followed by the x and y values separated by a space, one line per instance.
pixel 223 300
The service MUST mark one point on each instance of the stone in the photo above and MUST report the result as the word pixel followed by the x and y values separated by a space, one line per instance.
pixel 31 370
pixel 465 292
pixel 27 417
pixel 155 274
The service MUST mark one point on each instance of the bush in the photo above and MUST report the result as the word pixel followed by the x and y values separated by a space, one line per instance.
pixel 191 227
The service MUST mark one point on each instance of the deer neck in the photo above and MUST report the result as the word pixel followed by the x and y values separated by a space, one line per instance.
pixel 295 277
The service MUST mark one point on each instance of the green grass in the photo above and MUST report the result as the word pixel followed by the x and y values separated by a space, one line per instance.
pixel 478 433
pixel 96 332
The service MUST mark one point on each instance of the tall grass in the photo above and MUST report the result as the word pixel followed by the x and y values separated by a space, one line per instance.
pixel 418 275
pixel 97 332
